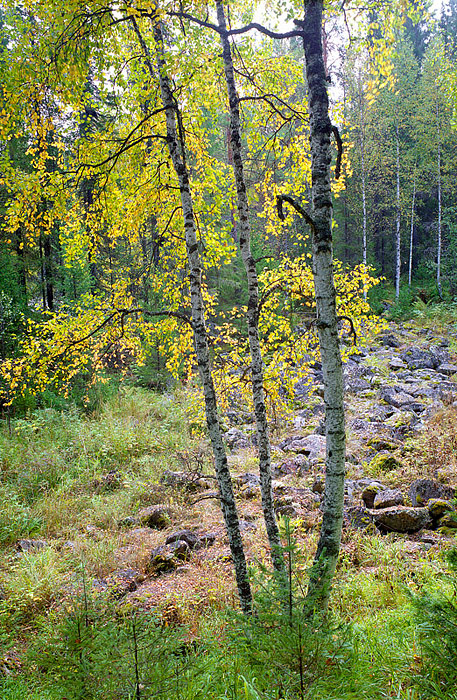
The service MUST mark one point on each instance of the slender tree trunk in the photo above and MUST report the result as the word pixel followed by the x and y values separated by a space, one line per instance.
pixel 411 235
pixel 327 324
pixel 253 302
pixel 439 237
pixel 398 221
pixel 176 146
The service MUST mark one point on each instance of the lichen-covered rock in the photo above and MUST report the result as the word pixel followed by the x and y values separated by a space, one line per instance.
pixel 402 519
pixel 369 493
pixel 236 439
pixel 157 517
pixel 388 498
pixel 30 545
pixel 384 462
pixel 395 397
pixel 187 536
pixel 358 517
pixel 313 446
pixel 416 358
pixel 422 490
pixel 448 520
pixel 438 507
pixel 161 560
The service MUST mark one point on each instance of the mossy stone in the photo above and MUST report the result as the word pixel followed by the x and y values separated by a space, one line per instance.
pixel 384 462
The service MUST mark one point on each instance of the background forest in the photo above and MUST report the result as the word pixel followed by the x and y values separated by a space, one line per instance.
pixel 161 214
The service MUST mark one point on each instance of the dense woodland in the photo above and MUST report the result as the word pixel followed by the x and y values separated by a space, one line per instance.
pixel 217 222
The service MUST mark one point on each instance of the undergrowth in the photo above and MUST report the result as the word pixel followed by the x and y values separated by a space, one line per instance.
pixel 381 639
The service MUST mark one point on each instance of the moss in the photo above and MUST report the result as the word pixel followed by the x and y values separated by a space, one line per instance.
pixel 384 462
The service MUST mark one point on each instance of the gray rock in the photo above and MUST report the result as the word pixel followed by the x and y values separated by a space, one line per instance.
pixel 313 446
pixel 31 545
pixel 358 518
pixel 402 519
pixel 236 439
pixel 389 340
pixel 396 364
pixel 157 517
pixel 422 490
pixel 395 397
pixel 355 385
pixel 187 536
pixel 447 369
pixel 370 492
pixel 417 358
pixel 388 498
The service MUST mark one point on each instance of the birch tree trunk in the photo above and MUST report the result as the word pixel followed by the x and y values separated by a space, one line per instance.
pixel 439 237
pixel 176 146
pixel 411 235
pixel 327 325
pixel 253 301
pixel 398 222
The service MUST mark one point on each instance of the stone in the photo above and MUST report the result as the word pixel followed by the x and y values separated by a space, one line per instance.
pixel 402 519
pixel 395 397
pixel 358 518
pixel 236 439
pixel 31 545
pixel 416 358
pixel 384 462
pixel 447 369
pixel 438 507
pixel 387 498
pixel 156 517
pixel 448 520
pixel 313 446
pixel 187 536
pixel 369 493
pixel 422 490
pixel 180 550
pixel 206 540
pixel 123 581
pixel 354 385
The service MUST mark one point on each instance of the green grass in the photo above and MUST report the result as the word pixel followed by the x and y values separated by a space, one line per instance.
pixel 72 646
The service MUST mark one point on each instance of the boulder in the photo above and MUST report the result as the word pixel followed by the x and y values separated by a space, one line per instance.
pixel 313 446
pixel 448 369
pixel 416 358
pixel 395 397
pixel 157 517
pixel 358 518
pixel 236 439
pixel 448 520
pixel 438 507
pixel 369 493
pixel 187 536
pixel 422 490
pixel 402 519
pixel 387 498
pixel 384 462
pixel 30 545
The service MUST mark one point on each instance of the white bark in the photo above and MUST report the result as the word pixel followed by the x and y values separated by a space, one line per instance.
pixel 327 325
pixel 398 219
pixel 253 301
pixel 411 235
pixel 176 146
pixel 439 235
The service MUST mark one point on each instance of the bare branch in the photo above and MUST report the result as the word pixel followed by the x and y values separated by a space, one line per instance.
pixel 339 146
pixel 297 206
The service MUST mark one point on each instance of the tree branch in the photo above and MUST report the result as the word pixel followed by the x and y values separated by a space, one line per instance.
pixel 297 206
pixel 339 146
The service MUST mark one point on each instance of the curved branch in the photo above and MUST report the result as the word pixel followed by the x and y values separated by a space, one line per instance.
pixel 351 323
pixel 339 155
pixel 297 206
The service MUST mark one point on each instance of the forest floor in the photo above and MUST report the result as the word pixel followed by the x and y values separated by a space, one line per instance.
pixel 93 509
